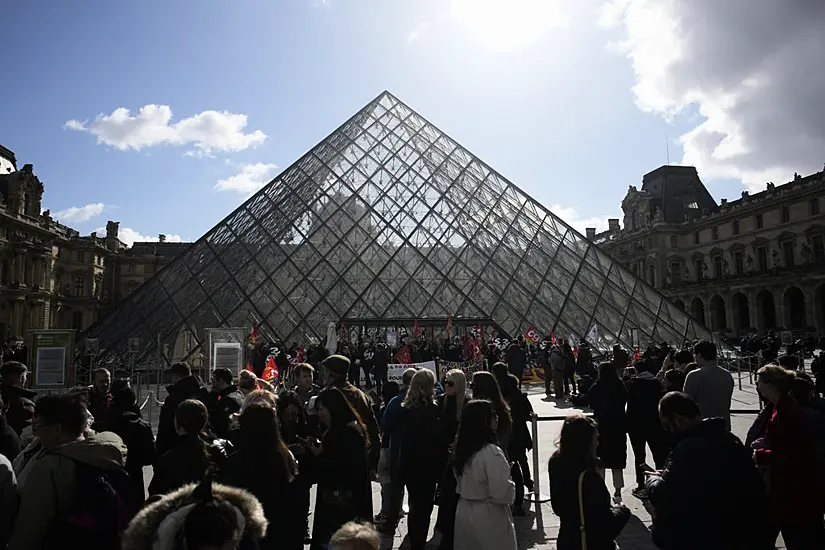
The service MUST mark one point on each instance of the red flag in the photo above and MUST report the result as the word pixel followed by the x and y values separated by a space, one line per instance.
pixel 270 371
pixel 637 355
pixel 553 338
pixel 416 330
pixel 301 352
pixel 253 336
pixel 576 353
pixel 341 337
pixel 249 367
pixel 403 355
pixel 531 335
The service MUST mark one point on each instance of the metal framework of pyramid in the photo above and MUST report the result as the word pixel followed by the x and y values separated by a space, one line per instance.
pixel 389 218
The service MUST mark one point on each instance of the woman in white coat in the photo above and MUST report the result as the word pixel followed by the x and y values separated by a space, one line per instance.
pixel 483 518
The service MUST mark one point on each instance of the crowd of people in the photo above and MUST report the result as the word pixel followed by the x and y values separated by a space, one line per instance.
pixel 233 463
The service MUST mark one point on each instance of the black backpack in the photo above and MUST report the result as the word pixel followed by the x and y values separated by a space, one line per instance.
pixel 104 504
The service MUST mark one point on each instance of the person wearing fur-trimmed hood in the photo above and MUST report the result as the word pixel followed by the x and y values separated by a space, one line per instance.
pixel 196 517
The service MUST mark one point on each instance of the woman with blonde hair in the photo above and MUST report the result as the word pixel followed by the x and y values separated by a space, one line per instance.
pixel 451 404
pixel 422 453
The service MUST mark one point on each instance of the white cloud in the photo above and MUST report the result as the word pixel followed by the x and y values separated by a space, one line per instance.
pixel 207 131
pixel 251 178
pixel 129 236
pixel 509 25
pixel 574 219
pixel 751 68
pixel 76 214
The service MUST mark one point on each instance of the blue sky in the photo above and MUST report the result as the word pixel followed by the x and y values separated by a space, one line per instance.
pixel 567 102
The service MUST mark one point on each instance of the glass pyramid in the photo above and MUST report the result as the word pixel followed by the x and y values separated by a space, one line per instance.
pixel 388 218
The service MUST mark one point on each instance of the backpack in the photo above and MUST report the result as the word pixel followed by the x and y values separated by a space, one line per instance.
pixel 104 503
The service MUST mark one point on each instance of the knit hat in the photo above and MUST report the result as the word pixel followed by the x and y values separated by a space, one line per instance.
pixel 337 364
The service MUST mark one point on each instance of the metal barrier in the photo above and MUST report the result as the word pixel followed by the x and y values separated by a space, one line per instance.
pixel 537 497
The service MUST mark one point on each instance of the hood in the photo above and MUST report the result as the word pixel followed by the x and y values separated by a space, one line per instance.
pixel 102 450
pixel 189 386
pixel 167 515
pixel 710 428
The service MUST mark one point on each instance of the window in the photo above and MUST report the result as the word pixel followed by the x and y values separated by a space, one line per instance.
pixel 762 257
pixel 675 272
pixel 673 241
pixel 787 251
pixel 81 257
pixel 738 263
pixel 651 275
pixel 77 320
pixel 815 207
pixel 696 238
pixel 132 268
pixel 698 265
pixel 717 267
pixel 760 222
pixel 818 243
pixel 735 227
pixel 786 214
pixel 715 233
pixel 79 285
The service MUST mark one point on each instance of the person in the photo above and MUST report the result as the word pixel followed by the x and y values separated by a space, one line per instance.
pixel 608 398
pixel 18 400
pixel 190 458
pixel 355 536
pixel 520 440
pixel 222 402
pixel 9 498
pixel 184 386
pixel 710 385
pixel 9 440
pixel 785 452
pixel 451 403
pixel 341 468
pixel 570 368
pixel 486 387
pixel 295 431
pixel 136 433
pixel 336 368
pixel 261 448
pixel 709 494
pixel 516 360
pixel 207 516
pixel 643 424
pixel 100 399
pixel 392 491
pixel 305 386
pixel 557 368
pixel 483 518
pixel 423 452
pixel 578 493
pixel 60 485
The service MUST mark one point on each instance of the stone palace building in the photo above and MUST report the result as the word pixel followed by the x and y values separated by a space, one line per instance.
pixel 50 275
pixel 745 266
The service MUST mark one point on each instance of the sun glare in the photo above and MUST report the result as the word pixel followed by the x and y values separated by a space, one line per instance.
pixel 508 24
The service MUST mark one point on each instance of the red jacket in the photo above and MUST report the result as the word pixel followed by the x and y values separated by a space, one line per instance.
pixel 789 455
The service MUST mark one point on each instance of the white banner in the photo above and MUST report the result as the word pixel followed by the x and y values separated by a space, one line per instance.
pixel 396 370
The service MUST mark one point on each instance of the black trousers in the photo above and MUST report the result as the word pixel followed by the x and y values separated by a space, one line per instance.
pixel 447 505
pixel 657 441
pixel 520 458
pixel 569 381
pixel 421 498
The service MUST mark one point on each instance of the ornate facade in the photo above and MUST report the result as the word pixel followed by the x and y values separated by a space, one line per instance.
pixel 50 275
pixel 739 267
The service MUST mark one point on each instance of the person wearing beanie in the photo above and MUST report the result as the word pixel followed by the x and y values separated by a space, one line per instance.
pixel 336 369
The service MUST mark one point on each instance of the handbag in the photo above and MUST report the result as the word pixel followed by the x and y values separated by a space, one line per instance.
pixel 581 510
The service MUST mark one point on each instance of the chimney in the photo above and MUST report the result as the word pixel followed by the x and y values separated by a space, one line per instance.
pixel 94 234
pixel 724 202
pixel 613 224
pixel 161 238
pixel 590 232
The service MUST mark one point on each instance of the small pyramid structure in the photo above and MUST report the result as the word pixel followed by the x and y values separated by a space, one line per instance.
pixel 388 218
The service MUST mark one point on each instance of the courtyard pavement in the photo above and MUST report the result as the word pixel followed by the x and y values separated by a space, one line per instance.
pixel 539 529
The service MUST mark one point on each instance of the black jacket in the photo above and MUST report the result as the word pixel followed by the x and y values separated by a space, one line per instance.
pixel 423 450
pixel 19 406
pixel 137 435
pixel 186 388
pixel 710 495
pixel 187 462
pixel 603 522
pixel 516 359
pixel 222 406
pixel 9 440
pixel 643 398
pixel 608 400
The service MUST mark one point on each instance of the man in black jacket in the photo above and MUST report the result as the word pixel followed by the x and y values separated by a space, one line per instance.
pixel 709 494
pixel 184 386
pixel 18 400
pixel 516 359
pixel 222 402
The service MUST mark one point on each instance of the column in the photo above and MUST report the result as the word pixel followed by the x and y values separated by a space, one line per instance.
pixel 16 324
pixel 21 268
pixel 730 321
pixel 779 302
pixel 753 311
